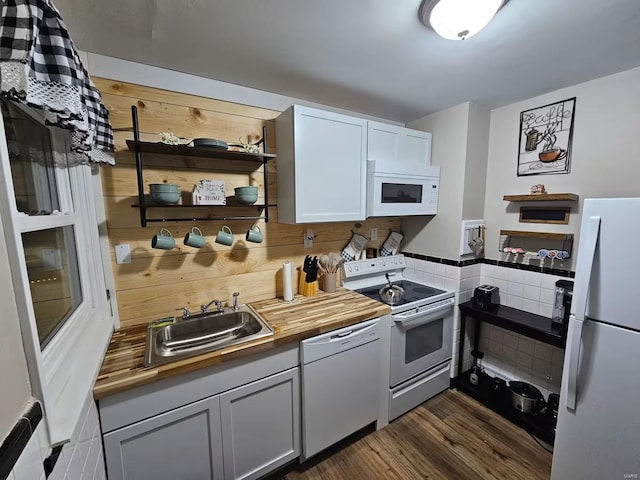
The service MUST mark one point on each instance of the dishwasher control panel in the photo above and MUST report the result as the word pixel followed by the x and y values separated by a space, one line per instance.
pixel 337 341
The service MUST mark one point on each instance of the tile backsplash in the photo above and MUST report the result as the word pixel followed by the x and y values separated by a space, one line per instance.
pixel 80 459
pixel 507 354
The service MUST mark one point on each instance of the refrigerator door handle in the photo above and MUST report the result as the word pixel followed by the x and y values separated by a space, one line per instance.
pixel 573 344
pixel 578 316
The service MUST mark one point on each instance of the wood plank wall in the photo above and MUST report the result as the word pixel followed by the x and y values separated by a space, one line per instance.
pixel 157 282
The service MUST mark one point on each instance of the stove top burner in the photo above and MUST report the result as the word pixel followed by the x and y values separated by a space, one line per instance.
pixel 412 292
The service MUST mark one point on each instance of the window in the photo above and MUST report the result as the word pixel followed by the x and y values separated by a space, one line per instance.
pixel 57 267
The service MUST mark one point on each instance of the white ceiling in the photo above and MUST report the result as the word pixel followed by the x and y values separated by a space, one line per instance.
pixel 369 56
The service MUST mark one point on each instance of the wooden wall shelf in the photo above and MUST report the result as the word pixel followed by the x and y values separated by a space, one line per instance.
pixel 139 147
pixel 542 197
pixel 547 235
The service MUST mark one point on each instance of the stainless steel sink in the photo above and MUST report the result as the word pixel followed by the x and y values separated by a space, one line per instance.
pixel 203 333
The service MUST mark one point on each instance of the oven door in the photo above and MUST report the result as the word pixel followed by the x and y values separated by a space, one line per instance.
pixel 420 341
pixel 394 195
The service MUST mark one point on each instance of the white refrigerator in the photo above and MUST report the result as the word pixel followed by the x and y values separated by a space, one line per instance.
pixel 598 430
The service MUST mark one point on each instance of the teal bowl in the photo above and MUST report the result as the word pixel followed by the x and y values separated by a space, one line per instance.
pixel 247 198
pixel 164 187
pixel 246 191
pixel 165 198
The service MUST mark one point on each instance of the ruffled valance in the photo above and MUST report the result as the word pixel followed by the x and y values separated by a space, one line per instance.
pixel 40 67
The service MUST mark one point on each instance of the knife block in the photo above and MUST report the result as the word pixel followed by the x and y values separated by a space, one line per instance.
pixel 304 288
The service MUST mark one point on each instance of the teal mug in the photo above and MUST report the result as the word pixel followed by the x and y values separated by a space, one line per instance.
pixel 163 241
pixel 254 234
pixel 194 238
pixel 225 236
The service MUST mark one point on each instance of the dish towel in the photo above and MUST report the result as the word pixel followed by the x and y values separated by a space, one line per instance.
pixel 391 244
pixel 354 247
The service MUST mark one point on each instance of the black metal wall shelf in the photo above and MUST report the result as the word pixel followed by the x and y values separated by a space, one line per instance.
pixel 139 147
pixel 518 321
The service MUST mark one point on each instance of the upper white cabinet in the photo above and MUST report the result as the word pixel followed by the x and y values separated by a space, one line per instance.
pixel 322 158
pixel 398 150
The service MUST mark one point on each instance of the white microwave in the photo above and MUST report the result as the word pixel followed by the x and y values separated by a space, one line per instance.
pixel 390 195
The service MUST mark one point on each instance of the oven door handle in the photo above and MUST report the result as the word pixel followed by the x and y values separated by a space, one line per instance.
pixel 409 319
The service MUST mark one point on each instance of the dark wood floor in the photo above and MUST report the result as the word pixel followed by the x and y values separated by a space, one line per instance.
pixel 449 437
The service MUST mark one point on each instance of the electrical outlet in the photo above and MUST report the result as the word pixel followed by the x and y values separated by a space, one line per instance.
pixel 308 238
pixel 123 253
pixel 373 234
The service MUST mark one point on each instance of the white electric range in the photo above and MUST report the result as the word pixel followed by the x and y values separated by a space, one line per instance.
pixel 421 331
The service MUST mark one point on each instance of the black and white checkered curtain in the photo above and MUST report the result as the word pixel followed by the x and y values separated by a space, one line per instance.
pixel 40 67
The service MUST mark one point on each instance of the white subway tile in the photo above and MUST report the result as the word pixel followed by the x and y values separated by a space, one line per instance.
pixel 526 345
pixel 516 275
pixel 514 301
pixel 503 285
pixel 452 272
pixel 438 281
pixel 533 278
pixel 542 352
pixel 495 348
pixel 547 295
pixel 557 356
pixel 549 281
pixel 532 292
pixel 487 270
pixel 509 354
pixel 451 284
pixel 501 273
pixel 29 464
pixel 497 334
pixel 524 360
pixel 427 278
pixel 410 262
pixel 530 306
pixel 542 367
pixel 545 310
pixel 429 267
pixel 515 288
pixel 440 269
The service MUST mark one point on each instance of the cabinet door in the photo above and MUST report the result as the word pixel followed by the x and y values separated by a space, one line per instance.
pixel 383 146
pixel 415 152
pixel 184 443
pixel 330 166
pixel 261 425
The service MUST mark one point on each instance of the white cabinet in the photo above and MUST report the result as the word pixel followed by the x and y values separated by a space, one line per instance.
pixel 247 428
pixel 398 150
pixel 322 159
pixel 183 443
pixel 261 425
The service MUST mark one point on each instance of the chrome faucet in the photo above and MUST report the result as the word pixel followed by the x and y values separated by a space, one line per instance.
pixel 185 312
pixel 219 306
pixel 235 301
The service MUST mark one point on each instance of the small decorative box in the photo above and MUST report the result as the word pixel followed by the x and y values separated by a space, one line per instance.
pixel 209 192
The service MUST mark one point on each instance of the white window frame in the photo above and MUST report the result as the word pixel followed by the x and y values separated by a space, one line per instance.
pixel 63 373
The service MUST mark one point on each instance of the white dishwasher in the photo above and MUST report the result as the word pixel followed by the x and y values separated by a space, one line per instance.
pixel 340 384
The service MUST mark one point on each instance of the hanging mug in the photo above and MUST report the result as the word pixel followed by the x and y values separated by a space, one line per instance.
pixel 163 241
pixel 254 234
pixel 225 236
pixel 194 238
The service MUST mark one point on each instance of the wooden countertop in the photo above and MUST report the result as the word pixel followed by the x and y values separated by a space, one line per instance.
pixel 123 366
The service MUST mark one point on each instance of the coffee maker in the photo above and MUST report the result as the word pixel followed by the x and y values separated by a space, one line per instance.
pixel 562 305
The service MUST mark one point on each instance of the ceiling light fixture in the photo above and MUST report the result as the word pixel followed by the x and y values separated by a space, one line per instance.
pixel 458 19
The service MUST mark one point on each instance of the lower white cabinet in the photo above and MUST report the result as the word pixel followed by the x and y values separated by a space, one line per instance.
pixel 243 433
pixel 261 425
pixel 184 443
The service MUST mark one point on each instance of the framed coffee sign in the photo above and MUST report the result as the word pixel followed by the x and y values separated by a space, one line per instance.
pixel 546 134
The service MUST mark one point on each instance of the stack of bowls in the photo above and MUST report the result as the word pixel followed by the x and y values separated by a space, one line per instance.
pixel 246 195
pixel 165 193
